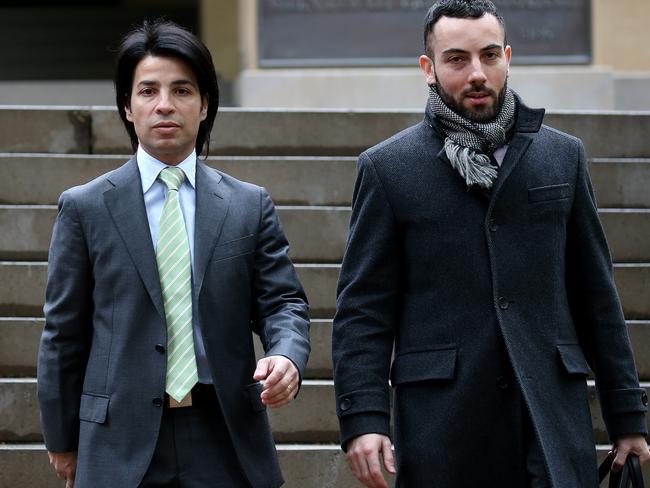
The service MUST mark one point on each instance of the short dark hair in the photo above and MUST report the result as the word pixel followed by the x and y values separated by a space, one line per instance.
pixel 459 9
pixel 166 39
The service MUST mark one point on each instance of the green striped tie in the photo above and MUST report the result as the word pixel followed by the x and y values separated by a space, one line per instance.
pixel 174 267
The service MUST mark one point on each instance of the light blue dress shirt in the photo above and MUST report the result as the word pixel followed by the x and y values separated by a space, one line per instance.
pixel 155 192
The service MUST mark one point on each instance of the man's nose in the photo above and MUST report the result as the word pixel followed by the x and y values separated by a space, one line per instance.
pixel 165 104
pixel 477 76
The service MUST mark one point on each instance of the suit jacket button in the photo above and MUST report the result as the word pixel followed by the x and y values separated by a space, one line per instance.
pixel 503 303
pixel 502 383
pixel 644 398
pixel 345 404
pixel 157 402
pixel 492 225
pixel 160 348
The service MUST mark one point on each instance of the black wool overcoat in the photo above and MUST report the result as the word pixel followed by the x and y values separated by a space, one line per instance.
pixel 495 306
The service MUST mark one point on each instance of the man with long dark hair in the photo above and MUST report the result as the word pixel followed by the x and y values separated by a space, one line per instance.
pixel 158 273
pixel 476 257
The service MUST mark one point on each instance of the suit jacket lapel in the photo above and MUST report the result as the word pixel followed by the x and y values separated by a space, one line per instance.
pixel 212 202
pixel 125 203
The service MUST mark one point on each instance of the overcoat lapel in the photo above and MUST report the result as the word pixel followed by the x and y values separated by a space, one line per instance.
pixel 212 202
pixel 516 150
pixel 528 122
pixel 125 203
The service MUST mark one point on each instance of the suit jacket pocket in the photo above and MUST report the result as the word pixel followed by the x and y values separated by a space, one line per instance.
pixel 572 359
pixel 94 407
pixel 548 193
pixel 254 390
pixel 437 364
pixel 237 247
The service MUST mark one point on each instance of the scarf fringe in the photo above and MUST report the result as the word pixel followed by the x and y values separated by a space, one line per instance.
pixel 475 168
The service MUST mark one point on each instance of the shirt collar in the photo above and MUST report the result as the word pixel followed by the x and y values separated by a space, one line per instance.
pixel 150 168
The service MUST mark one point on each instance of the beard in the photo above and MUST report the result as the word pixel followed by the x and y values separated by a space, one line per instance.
pixel 480 113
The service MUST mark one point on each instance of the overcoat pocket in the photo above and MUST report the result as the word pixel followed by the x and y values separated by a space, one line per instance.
pixel 436 364
pixel 237 247
pixel 572 359
pixel 94 407
pixel 548 193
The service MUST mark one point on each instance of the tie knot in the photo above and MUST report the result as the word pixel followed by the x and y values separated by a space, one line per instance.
pixel 172 177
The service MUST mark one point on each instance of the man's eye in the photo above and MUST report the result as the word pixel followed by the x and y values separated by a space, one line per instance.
pixel 146 91
pixel 182 91
pixel 455 59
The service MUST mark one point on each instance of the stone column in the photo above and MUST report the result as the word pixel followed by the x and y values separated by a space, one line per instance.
pixel 219 24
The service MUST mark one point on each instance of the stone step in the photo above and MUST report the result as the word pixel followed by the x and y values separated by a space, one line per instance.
pixel 45 129
pixel 22 293
pixel 310 418
pixel 21 336
pixel 290 180
pixel 23 290
pixel 19 345
pixel 316 234
pixel 621 182
pixel 628 233
pixel 98 130
pixel 303 466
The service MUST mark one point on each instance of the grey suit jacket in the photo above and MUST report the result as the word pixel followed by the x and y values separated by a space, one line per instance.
pixel 99 371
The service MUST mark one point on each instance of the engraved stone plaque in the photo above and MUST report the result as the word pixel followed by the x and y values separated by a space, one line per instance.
pixel 389 32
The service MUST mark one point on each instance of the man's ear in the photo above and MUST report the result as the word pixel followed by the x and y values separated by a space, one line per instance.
pixel 508 52
pixel 426 64
pixel 204 107
pixel 127 111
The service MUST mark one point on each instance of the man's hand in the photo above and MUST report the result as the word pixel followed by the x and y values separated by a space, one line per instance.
pixel 65 466
pixel 363 458
pixel 281 383
pixel 629 444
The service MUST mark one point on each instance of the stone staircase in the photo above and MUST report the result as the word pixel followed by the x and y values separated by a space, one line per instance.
pixel 306 159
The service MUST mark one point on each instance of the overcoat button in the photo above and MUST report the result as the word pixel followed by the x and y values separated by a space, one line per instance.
pixel 644 399
pixel 492 225
pixel 160 348
pixel 345 404
pixel 502 383
pixel 503 303
pixel 157 402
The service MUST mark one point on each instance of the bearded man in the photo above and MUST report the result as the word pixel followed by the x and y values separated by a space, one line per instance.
pixel 476 256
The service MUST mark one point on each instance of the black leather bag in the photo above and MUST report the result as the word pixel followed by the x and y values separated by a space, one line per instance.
pixel 631 473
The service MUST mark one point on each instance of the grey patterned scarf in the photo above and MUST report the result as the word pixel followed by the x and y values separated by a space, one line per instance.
pixel 468 144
